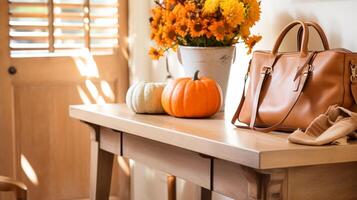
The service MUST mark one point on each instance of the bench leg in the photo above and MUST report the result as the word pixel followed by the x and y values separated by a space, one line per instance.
pixel 171 187
pixel 101 166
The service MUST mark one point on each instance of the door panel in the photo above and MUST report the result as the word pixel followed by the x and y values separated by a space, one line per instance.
pixel 53 149
pixel 39 144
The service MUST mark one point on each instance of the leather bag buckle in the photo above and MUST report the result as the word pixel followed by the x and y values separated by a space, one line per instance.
pixel 309 69
pixel 298 75
pixel 266 70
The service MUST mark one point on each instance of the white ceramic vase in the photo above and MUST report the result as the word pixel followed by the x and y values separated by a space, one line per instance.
pixel 213 62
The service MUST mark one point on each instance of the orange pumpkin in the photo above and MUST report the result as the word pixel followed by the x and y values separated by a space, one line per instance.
pixel 192 98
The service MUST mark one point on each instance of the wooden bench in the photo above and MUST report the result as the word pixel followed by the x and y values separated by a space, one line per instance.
pixel 212 153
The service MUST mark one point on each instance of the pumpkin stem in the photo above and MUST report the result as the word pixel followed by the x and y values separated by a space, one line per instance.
pixel 195 77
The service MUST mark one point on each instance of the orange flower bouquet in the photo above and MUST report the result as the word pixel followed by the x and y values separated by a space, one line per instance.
pixel 203 23
pixel 204 32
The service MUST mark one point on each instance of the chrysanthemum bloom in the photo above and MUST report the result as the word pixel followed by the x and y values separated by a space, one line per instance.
pixel 158 38
pixel 155 54
pixel 203 23
pixel 253 11
pixel 170 19
pixel 251 41
pixel 233 11
pixel 180 10
pixel 218 30
pixel 182 27
pixel 169 35
pixel 244 30
pixel 157 13
pixel 197 28
pixel 211 6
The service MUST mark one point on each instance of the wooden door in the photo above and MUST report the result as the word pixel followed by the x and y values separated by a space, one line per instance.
pixel 40 144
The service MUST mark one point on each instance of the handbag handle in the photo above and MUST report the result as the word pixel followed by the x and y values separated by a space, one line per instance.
pixel 305 38
pixel 319 30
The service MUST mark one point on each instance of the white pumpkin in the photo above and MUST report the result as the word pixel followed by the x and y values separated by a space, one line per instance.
pixel 145 97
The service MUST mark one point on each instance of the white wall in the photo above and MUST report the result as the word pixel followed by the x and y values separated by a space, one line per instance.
pixel 337 17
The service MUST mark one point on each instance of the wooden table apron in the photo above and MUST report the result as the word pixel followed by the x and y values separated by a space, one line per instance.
pixel 238 163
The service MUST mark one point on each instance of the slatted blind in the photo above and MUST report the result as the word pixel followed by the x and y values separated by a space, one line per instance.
pixel 59 25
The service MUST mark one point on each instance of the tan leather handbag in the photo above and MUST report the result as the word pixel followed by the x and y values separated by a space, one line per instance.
pixel 288 90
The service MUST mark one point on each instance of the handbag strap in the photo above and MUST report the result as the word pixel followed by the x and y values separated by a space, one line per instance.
pixel 238 110
pixel 266 70
pixel 305 38
pixel 319 30
pixel 242 98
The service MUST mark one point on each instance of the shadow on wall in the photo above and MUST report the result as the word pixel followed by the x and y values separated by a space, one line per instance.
pixel 290 41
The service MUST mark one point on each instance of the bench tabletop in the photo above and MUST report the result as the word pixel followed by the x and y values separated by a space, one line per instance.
pixel 215 137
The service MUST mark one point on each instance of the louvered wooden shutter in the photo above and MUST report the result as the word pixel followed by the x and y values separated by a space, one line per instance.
pixel 57 25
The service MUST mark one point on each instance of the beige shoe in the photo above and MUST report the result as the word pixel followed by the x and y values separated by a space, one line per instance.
pixel 336 126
